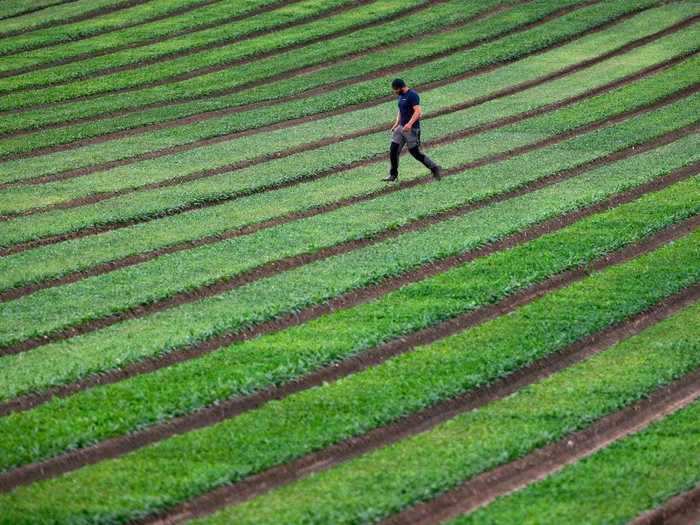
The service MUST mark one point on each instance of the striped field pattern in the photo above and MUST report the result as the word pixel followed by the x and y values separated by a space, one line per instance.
pixel 214 310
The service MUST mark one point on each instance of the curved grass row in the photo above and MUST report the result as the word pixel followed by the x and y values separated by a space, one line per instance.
pixel 309 55
pixel 17 8
pixel 102 295
pixel 158 476
pixel 277 358
pixel 54 260
pixel 510 48
pixel 312 284
pixel 418 468
pixel 123 17
pixel 504 49
pixel 623 480
pixel 317 160
pixel 167 31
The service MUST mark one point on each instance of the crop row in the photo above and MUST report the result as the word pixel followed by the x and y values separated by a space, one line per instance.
pixel 308 55
pixel 220 36
pixel 186 325
pixel 298 166
pixel 121 18
pixel 420 467
pixel 506 49
pixel 150 40
pixel 157 476
pixel 106 294
pixel 56 15
pixel 623 480
pixel 280 357
pixel 208 221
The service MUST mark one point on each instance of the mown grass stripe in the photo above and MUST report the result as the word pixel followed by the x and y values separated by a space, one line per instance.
pixel 425 465
pixel 51 359
pixel 630 478
pixel 227 409
pixel 73 197
pixel 281 17
pixel 360 96
pixel 672 268
pixel 220 273
pixel 17 235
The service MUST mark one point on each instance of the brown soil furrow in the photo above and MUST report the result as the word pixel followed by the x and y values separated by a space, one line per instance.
pixel 346 300
pixel 36 9
pixel 544 462
pixel 85 16
pixel 288 263
pixel 222 138
pixel 221 43
pixel 683 509
pixel 155 40
pixel 412 424
pixel 214 201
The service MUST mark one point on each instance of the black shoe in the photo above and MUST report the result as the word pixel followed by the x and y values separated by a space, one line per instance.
pixel 437 172
pixel 390 178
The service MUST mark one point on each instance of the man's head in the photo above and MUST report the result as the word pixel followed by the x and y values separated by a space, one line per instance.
pixel 398 85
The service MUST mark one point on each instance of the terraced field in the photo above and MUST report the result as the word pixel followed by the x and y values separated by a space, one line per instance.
pixel 213 309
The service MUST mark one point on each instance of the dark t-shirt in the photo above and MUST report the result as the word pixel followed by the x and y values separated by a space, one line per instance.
pixel 406 103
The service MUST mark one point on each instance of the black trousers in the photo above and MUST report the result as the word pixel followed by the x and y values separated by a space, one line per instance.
pixel 398 141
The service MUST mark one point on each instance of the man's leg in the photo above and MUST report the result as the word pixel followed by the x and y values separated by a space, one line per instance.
pixel 416 153
pixel 397 142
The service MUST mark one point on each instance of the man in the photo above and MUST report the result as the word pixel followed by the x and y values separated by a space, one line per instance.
pixel 406 130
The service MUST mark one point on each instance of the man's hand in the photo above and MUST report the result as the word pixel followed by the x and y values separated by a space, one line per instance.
pixel 407 127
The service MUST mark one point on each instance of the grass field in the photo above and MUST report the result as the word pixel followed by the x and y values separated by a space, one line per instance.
pixel 214 310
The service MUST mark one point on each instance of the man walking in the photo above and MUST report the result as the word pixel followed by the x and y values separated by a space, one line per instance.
pixel 406 130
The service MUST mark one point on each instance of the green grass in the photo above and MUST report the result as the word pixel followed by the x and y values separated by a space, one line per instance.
pixel 277 358
pixel 443 15
pixel 54 14
pixel 309 55
pixel 150 203
pixel 166 28
pixel 620 482
pixel 73 255
pixel 158 476
pixel 418 468
pixel 92 26
pixel 288 292
pixel 503 50
pixel 102 295
pixel 15 8
pixel 314 161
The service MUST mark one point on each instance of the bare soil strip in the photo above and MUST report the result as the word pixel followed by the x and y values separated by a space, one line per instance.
pixel 92 14
pixel 155 40
pixel 508 478
pixel 346 300
pixel 683 509
pixel 102 196
pixel 215 45
pixel 288 74
pixel 410 425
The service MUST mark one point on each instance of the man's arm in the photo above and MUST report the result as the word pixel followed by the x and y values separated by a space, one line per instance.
pixel 396 121
pixel 417 112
